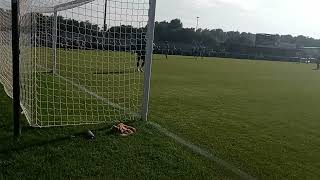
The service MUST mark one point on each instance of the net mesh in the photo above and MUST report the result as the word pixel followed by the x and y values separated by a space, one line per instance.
pixel 5 46
pixel 78 61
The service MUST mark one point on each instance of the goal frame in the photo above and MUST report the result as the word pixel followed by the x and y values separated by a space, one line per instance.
pixel 69 5
pixel 148 65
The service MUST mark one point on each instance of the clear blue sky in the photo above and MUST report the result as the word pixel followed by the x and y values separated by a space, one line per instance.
pixel 296 17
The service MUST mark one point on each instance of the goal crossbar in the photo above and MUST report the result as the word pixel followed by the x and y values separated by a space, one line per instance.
pixel 62 7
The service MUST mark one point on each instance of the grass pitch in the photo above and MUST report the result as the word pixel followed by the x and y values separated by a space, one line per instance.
pixel 262 117
pixel 87 87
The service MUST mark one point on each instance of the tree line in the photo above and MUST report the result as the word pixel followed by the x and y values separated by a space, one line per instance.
pixel 181 40
pixel 174 31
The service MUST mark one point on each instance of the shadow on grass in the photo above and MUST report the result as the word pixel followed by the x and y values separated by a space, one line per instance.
pixel 24 146
pixel 35 137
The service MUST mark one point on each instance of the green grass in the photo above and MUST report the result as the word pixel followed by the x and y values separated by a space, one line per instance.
pixel 262 117
pixel 63 153
pixel 57 98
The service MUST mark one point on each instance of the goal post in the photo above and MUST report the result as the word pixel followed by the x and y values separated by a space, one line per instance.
pixel 95 50
pixel 147 74
pixel 15 67
pixel 54 41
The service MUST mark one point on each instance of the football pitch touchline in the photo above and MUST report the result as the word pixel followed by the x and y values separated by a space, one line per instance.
pixel 203 152
pixel 94 94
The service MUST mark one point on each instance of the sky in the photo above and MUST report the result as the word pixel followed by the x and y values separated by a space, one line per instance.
pixel 295 17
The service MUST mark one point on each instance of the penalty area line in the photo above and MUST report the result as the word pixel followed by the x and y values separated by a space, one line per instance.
pixel 203 152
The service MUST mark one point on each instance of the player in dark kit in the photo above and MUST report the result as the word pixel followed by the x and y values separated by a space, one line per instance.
pixel 139 47
pixel 167 51
pixel 141 56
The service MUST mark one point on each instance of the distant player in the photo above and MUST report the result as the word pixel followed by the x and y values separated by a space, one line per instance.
pixel 138 46
pixel 140 49
pixel 141 54
pixel 203 51
pixel 196 52
pixel 167 51
pixel 174 51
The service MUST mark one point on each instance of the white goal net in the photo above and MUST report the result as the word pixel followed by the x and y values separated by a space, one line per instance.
pixel 81 61
pixel 5 46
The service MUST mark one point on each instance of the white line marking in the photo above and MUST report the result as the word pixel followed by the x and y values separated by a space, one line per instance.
pixel 117 106
pixel 203 152
pixel 191 146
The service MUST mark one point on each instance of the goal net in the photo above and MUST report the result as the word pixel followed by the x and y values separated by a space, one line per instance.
pixel 79 60
pixel 5 46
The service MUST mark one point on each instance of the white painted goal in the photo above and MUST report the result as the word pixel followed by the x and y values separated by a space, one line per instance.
pixel 81 61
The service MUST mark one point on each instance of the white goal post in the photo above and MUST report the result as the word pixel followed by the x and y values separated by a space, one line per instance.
pixel 82 61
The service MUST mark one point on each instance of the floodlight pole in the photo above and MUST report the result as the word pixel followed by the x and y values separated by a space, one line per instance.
pixel 105 25
pixel 54 41
pixel 15 67
pixel 148 63
pixel 197 24
pixel 105 16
